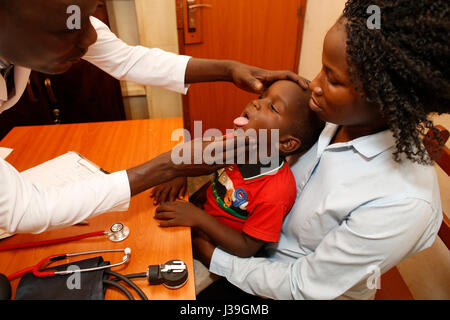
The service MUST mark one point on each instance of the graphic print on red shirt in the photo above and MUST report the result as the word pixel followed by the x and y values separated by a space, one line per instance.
pixel 252 202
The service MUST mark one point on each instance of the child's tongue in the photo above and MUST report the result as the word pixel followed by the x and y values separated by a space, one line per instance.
pixel 240 122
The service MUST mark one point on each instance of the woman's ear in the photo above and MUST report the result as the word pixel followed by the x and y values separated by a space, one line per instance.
pixel 289 145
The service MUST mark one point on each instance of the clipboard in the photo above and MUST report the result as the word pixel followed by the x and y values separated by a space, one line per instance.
pixel 67 168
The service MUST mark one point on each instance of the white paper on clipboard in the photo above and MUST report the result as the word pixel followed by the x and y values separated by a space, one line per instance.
pixel 67 168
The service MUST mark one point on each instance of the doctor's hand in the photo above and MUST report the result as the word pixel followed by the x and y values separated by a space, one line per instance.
pixel 245 77
pixel 198 157
pixel 201 157
pixel 256 80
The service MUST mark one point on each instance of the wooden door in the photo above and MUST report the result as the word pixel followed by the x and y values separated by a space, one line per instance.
pixel 263 33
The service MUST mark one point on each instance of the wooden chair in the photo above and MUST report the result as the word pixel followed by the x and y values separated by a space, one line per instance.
pixel 393 286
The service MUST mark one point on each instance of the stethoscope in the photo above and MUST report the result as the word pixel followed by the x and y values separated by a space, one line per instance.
pixel 38 272
pixel 173 274
pixel 116 233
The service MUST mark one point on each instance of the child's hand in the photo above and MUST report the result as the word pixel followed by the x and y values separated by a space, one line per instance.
pixel 169 191
pixel 180 213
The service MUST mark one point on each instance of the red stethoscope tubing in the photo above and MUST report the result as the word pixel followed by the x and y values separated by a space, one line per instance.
pixel 50 242
pixel 35 268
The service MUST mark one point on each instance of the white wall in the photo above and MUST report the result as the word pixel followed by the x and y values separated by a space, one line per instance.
pixel 321 15
pixel 151 23
pixel 123 22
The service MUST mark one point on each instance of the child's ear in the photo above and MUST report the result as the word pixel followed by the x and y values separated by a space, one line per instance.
pixel 289 144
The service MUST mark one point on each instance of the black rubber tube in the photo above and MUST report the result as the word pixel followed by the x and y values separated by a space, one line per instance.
pixel 127 280
pixel 120 287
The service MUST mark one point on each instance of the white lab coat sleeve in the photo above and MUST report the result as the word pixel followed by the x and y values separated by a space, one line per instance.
pixel 27 207
pixel 375 236
pixel 138 64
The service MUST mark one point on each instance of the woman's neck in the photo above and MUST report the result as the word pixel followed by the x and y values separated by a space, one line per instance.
pixel 349 133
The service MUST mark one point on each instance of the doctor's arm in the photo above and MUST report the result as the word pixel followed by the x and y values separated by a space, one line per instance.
pixel 27 207
pixel 156 67
pixel 377 236
pixel 245 77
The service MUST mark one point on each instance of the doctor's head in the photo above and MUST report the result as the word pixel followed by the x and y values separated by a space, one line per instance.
pixel 46 35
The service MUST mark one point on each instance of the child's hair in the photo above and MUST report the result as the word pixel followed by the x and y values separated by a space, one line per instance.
pixel 307 126
pixel 404 66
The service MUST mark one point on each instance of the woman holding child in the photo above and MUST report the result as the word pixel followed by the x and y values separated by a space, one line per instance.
pixel 367 196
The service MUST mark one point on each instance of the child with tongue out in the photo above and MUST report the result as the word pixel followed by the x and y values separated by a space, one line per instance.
pixel 245 206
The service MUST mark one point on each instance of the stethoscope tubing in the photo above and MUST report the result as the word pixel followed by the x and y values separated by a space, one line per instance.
pixel 124 260
pixel 53 241
pixel 49 273
pixel 126 279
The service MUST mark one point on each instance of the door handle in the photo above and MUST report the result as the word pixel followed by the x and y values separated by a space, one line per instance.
pixel 195 6
pixel 193 17
pixel 192 22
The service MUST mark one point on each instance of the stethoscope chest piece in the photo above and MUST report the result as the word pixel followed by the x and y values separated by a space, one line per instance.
pixel 118 232
pixel 173 274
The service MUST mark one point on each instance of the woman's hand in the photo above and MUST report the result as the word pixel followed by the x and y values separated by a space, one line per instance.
pixel 180 213
pixel 169 191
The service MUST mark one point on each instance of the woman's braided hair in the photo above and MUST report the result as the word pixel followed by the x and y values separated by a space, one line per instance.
pixel 404 66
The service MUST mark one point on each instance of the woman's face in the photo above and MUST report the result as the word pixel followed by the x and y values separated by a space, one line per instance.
pixel 334 96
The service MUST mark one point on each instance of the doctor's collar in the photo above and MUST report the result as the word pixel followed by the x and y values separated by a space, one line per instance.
pixel 4 64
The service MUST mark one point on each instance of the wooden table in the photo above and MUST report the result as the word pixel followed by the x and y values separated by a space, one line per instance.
pixel 114 146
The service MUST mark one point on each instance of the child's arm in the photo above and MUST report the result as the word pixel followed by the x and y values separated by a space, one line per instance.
pixel 181 213
pixel 169 191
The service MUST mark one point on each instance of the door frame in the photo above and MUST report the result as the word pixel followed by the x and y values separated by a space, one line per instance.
pixel 301 13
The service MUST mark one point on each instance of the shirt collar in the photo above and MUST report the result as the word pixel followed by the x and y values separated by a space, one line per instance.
pixel 373 145
pixel 3 88
pixel 4 64
pixel 325 137
pixel 368 146
pixel 251 172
